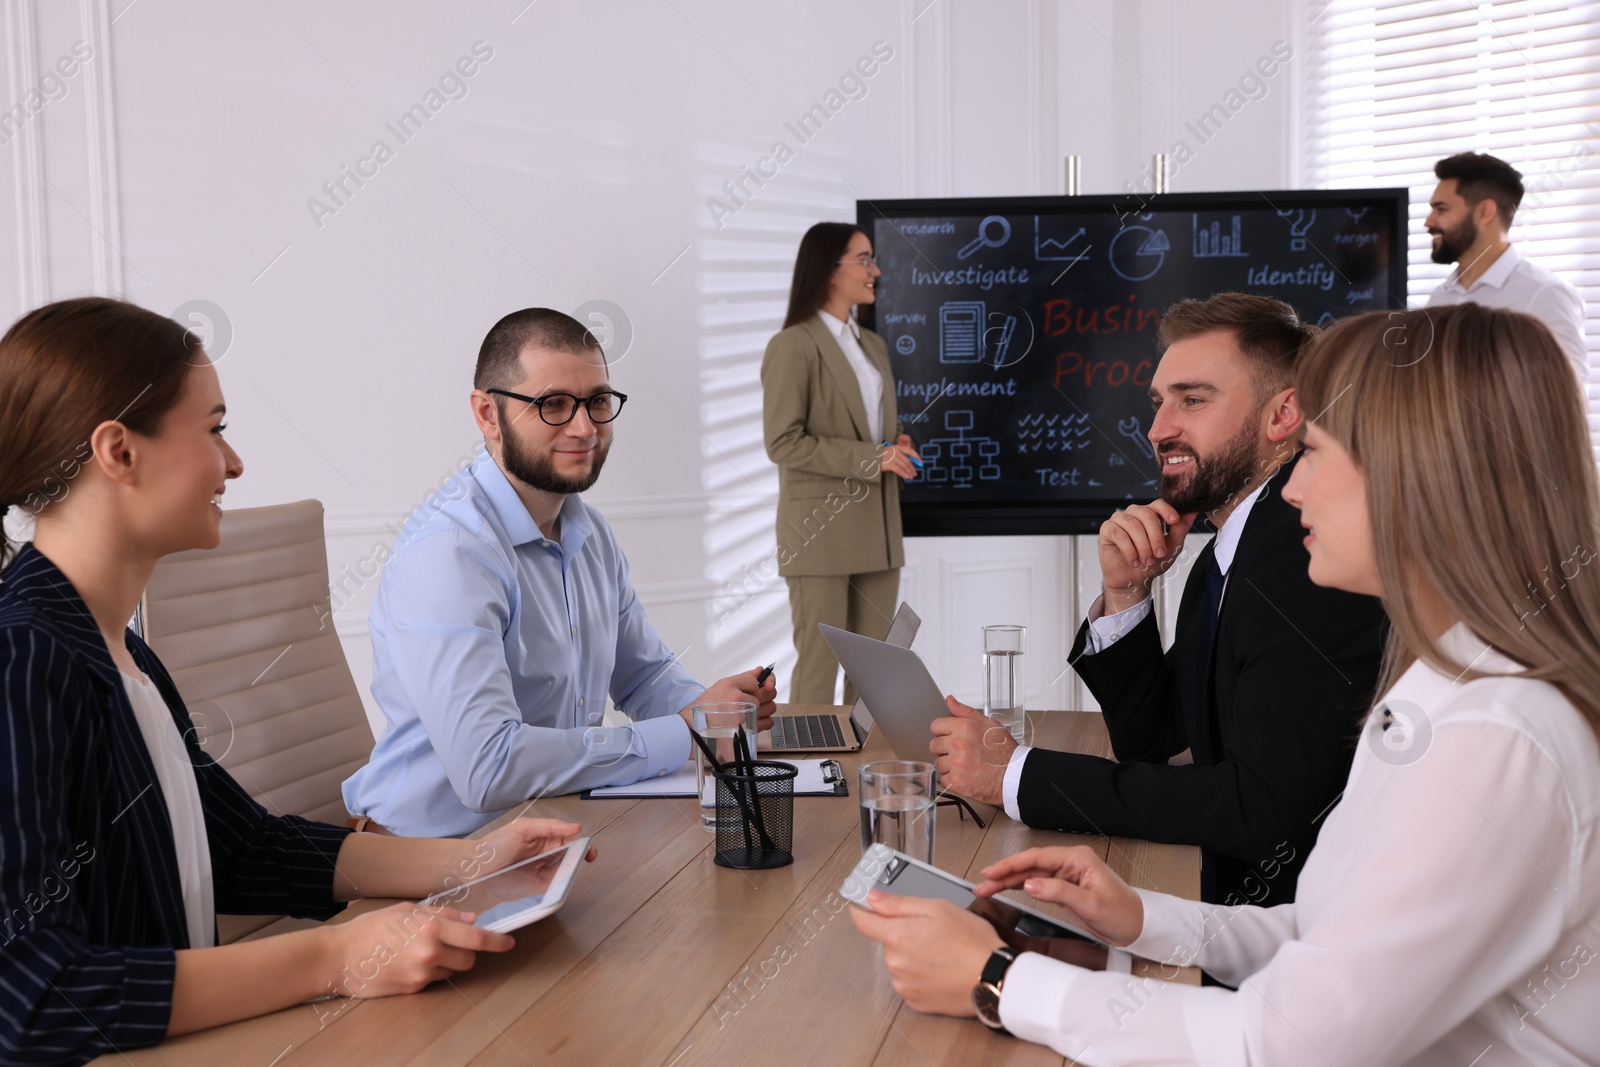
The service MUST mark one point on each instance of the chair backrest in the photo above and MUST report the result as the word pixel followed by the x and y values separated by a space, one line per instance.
pixel 247 633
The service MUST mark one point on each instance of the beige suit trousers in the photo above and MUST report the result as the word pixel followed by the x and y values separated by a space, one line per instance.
pixel 860 603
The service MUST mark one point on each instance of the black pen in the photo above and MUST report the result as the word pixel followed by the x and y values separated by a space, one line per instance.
pixel 711 757
pixel 761 679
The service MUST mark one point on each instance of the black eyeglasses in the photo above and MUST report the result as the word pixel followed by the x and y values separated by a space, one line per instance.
pixel 961 805
pixel 557 409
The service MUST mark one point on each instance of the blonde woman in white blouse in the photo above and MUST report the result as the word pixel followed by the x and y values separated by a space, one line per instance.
pixel 1450 912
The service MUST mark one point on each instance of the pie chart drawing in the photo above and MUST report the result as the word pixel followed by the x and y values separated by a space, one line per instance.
pixel 1138 252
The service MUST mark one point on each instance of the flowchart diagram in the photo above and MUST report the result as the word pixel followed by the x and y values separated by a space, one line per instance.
pixel 957 462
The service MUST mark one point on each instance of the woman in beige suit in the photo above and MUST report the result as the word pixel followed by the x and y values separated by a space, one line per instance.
pixel 829 408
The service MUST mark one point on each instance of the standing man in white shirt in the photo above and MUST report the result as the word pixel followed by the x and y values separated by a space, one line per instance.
pixel 1472 209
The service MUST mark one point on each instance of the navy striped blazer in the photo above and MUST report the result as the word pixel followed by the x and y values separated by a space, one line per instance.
pixel 91 909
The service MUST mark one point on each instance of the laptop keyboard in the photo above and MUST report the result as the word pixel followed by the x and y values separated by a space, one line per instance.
pixel 806 731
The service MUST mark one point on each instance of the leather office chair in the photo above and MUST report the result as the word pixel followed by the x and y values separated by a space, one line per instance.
pixel 247 633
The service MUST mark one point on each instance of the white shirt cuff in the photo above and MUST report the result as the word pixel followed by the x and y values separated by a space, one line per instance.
pixel 1013 781
pixel 1035 989
pixel 1170 927
pixel 1107 630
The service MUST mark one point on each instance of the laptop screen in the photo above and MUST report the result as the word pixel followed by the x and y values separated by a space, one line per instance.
pixel 901 632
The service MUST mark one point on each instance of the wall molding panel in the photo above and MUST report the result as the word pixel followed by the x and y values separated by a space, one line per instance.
pixel 32 237
pixel 105 215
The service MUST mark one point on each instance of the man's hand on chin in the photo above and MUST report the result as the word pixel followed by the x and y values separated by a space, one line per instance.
pixel 971 753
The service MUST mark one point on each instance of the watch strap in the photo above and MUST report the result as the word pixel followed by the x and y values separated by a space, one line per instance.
pixel 1000 960
pixel 986 994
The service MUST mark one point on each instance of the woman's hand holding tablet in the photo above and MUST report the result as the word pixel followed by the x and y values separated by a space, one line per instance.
pixel 519 894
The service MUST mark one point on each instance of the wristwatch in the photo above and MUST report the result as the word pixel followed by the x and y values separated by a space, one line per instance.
pixel 986 994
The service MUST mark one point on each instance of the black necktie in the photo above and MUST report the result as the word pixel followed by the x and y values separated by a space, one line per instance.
pixel 1199 722
pixel 1214 583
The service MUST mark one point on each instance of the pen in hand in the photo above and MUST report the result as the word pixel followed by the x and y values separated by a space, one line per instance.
pixel 766 672
pixel 915 462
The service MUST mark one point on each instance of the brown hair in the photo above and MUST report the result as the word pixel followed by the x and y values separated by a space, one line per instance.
pixel 1479 177
pixel 820 251
pixel 69 366
pixel 1268 332
pixel 500 355
pixel 1469 429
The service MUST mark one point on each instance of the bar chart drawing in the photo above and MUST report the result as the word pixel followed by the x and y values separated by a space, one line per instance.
pixel 1211 243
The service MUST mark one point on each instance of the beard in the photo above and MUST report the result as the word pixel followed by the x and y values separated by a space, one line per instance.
pixel 539 471
pixel 1453 244
pixel 1212 481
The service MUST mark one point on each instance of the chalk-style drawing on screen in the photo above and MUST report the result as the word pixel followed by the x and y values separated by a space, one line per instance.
pixel 1300 220
pixel 954 462
pixel 1211 243
pixel 961 331
pixel 905 344
pixel 993 231
pixel 1056 249
pixel 1003 332
pixel 1133 430
pixel 1356 213
pixel 1326 320
pixel 1138 252
pixel 1054 433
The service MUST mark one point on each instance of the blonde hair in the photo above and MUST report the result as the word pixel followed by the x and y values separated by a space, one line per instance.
pixel 1469 429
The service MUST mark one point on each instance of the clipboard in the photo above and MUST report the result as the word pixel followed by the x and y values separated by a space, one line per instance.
pixel 817 778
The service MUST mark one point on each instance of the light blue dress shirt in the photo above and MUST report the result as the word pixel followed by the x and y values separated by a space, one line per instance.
pixel 493 651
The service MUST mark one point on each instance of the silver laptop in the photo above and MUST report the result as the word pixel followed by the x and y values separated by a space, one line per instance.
pixel 896 685
pixel 831 731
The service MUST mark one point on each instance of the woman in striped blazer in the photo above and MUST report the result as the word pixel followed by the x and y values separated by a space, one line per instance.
pixel 120 840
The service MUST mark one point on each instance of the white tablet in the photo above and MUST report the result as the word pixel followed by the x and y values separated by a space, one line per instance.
pixel 883 868
pixel 520 894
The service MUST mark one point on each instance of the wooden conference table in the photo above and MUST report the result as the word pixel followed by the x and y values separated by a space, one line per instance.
pixel 662 957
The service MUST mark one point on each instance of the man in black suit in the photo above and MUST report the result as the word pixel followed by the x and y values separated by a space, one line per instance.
pixel 1267 698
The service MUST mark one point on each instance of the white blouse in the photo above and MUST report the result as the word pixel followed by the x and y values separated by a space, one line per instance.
pixel 175 776
pixel 867 375
pixel 1449 914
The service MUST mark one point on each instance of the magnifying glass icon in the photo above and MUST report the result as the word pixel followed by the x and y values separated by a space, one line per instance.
pixel 990 224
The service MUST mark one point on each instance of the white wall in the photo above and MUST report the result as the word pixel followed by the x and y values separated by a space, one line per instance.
pixel 176 165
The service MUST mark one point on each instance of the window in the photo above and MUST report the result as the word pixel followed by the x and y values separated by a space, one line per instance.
pixel 1391 86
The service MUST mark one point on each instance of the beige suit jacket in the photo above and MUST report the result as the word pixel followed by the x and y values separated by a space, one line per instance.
pixel 838 511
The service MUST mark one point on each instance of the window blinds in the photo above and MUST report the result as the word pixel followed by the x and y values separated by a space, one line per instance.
pixel 1394 85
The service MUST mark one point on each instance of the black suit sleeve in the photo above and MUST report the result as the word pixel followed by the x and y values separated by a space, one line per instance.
pixel 1295 671
pixel 63 997
pixel 1135 680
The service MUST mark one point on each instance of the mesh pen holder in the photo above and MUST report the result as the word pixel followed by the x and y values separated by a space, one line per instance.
pixel 755 815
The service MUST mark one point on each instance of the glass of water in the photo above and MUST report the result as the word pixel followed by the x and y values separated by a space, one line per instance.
pixel 897 798
pixel 719 724
pixel 1004 685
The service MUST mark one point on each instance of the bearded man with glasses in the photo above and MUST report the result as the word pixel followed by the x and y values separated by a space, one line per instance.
pixel 505 614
